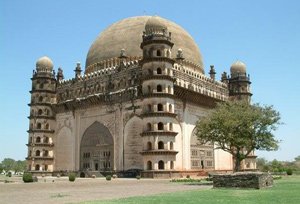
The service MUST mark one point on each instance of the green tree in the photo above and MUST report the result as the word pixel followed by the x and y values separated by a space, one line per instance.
pixel 1 167
pixel 297 158
pixel 239 128
pixel 277 166
pixel 262 164
pixel 19 166
pixel 8 164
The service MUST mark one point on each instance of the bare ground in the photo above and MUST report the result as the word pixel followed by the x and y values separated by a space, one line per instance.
pixel 63 191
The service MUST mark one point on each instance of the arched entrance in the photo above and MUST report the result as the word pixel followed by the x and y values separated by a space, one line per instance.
pixel 96 149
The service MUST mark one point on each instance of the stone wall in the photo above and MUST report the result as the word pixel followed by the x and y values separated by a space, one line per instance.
pixel 243 180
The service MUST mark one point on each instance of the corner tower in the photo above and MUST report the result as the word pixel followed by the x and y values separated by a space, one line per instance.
pixel 42 118
pixel 158 98
pixel 239 89
pixel 239 82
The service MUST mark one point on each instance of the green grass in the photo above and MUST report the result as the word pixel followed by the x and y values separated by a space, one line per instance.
pixel 285 191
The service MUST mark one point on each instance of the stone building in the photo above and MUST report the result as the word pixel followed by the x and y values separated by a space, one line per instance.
pixel 135 106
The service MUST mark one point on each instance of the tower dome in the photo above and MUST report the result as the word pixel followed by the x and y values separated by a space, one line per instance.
pixel 154 24
pixel 44 63
pixel 238 68
pixel 127 34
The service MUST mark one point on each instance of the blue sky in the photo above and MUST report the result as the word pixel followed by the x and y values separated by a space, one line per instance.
pixel 263 34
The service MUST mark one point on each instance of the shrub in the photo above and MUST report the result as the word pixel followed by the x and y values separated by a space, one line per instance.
pixel 108 177
pixel 8 174
pixel 138 177
pixel 72 177
pixel 188 176
pixel 289 171
pixel 27 177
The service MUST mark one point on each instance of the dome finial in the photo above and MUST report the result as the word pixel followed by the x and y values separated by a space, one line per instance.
pixel 44 64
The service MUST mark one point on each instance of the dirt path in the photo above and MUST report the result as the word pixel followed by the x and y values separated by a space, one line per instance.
pixel 63 191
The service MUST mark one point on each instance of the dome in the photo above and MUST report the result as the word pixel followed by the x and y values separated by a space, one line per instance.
pixel 154 23
pixel 238 68
pixel 44 63
pixel 127 34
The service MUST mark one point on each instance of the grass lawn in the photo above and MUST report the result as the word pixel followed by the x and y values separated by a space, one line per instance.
pixel 285 191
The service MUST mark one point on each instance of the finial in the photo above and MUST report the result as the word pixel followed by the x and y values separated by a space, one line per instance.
pixel 180 54
pixel 123 53
pixel 224 77
pixel 77 70
pixel 212 72
pixel 60 75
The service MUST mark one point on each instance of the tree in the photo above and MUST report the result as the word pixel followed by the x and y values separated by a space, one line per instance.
pixel 19 166
pixel 8 164
pixel 239 128
pixel 261 164
pixel 1 168
pixel 297 158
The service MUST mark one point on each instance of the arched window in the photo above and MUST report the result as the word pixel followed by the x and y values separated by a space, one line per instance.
pixel 170 108
pixel 31 126
pixel 38 140
pixel 39 126
pixel 170 126
pixel 149 146
pixel 46 167
pixel 47 112
pixel 160 126
pixel 149 165
pixel 37 167
pixel 41 86
pixel 160 107
pixel 47 126
pixel 149 108
pixel 40 112
pixel 149 127
pixel 149 89
pixel 37 153
pixel 161 165
pixel 41 99
pixel 159 88
pixel 169 90
pixel 171 165
pixel 158 53
pixel 171 146
pixel 158 70
pixel 46 140
pixel 160 145
pixel 46 153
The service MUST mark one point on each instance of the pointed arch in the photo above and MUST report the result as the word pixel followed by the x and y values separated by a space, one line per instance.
pixel 98 142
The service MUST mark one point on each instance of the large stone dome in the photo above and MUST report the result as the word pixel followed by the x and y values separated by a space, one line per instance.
pixel 127 34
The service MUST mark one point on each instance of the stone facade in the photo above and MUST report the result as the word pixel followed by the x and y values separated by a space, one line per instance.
pixel 127 111
pixel 243 180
